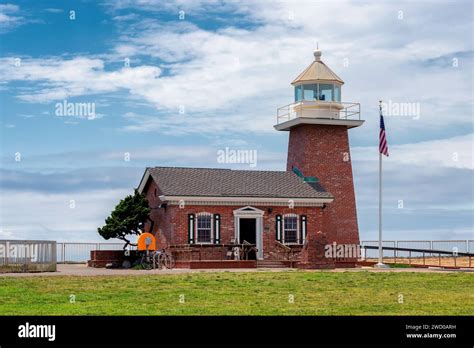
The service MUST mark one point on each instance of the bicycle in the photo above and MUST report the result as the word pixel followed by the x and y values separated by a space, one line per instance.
pixel 169 261
pixel 162 259
pixel 157 259
pixel 147 262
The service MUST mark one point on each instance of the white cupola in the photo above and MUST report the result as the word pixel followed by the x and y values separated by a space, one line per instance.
pixel 317 99
pixel 318 83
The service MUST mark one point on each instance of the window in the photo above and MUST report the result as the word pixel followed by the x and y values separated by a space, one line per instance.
pixel 204 228
pixel 290 229
pixel 310 92
pixel 298 93
pixel 320 91
pixel 337 93
pixel 325 92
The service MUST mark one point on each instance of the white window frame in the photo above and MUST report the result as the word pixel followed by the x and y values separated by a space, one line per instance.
pixel 298 241
pixel 198 216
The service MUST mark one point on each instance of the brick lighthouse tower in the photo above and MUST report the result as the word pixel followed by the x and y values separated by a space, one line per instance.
pixel 318 123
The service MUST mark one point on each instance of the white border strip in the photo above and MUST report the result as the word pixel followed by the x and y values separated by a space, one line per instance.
pixel 195 200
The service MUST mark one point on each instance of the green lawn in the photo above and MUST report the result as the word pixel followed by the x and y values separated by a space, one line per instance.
pixel 254 293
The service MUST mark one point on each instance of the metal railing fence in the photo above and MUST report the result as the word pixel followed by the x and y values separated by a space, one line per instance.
pixel 293 110
pixel 453 246
pixel 68 252
pixel 424 253
pixel 72 252
pixel 27 256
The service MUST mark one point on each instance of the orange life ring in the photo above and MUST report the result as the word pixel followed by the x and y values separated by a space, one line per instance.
pixel 146 241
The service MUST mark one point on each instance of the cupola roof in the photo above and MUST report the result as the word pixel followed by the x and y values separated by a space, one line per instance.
pixel 317 71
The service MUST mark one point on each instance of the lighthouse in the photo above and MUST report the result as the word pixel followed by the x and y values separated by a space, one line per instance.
pixel 318 122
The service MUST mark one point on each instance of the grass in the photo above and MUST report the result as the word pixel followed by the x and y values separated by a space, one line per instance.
pixel 252 293
pixel 399 265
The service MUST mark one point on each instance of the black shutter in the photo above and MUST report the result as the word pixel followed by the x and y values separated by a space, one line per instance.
pixel 278 228
pixel 191 222
pixel 217 228
pixel 303 229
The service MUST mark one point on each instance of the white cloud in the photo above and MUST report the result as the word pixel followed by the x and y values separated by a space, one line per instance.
pixel 174 123
pixel 52 218
pixel 455 152
pixel 240 76
pixel 462 233
pixel 200 6
pixel 181 153
pixel 128 17
pixel 6 234
pixel 92 169
pixel 9 16
pixel 54 10
pixel 59 79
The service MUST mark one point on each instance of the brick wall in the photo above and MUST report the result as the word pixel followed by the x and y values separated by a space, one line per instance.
pixel 323 151
pixel 162 226
pixel 171 225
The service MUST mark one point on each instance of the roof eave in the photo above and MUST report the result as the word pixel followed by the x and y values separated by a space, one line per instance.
pixel 145 177
pixel 340 82
pixel 298 201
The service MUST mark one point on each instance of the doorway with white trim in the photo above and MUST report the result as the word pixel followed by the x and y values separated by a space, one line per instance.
pixel 248 226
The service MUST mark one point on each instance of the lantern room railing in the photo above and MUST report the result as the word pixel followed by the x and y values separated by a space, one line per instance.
pixel 331 110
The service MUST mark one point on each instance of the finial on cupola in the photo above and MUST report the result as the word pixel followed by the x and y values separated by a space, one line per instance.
pixel 317 54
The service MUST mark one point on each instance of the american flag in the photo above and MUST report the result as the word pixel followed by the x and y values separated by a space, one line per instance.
pixel 383 147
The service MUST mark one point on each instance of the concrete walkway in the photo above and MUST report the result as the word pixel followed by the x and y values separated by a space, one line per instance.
pixel 83 270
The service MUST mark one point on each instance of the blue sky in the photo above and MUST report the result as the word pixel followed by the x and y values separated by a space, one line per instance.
pixel 174 82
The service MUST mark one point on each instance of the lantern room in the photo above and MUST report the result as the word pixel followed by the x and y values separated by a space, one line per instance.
pixel 318 83
pixel 318 99
pixel 318 91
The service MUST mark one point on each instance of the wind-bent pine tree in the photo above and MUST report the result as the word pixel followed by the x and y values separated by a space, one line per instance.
pixel 128 218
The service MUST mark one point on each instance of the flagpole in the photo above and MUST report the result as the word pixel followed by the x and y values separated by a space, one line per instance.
pixel 380 210
pixel 380 263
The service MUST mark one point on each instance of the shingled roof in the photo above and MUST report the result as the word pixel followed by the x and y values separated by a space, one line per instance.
pixel 208 182
pixel 317 71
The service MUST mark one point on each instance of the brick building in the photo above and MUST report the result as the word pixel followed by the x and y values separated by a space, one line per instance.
pixel 201 214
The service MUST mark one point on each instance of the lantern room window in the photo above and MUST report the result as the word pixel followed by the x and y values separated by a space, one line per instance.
pixel 337 93
pixel 318 91
pixel 310 92
pixel 325 92
pixel 298 93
